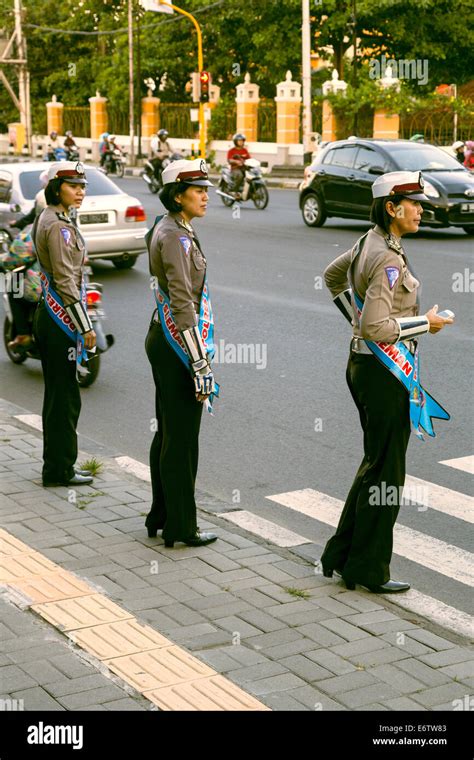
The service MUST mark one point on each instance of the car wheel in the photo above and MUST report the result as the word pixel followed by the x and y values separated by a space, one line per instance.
pixel 314 213
pixel 125 262
pixel 93 366
pixel 469 230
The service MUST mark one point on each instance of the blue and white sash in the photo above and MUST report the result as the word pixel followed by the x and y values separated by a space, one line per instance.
pixel 205 325
pixel 57 312
pixel 405 366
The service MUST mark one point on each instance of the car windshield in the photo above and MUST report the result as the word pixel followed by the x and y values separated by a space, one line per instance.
pixel 424 158
pixel 98 184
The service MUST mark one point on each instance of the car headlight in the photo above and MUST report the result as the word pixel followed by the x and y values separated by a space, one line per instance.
pixel 430 190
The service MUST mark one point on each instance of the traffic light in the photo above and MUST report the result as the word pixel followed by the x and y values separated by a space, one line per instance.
pixel 205 81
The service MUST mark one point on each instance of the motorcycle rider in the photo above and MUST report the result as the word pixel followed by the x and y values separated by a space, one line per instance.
pixel 53 144
pixel 111 148
pixel 103 147
pixel 237 157
pixel 160 148
pixel 70 146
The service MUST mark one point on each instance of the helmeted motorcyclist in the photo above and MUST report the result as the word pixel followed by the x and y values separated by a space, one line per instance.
pixel 160 148
pixel 53 144
pixel 104 147
pixel 70 144
pixel 236 157
pixel 110 150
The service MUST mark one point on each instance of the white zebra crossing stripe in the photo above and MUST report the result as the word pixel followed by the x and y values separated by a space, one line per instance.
pixel 466 464
pixel 264 528
pixel 445 500
pixel 439 612
pixel 423 549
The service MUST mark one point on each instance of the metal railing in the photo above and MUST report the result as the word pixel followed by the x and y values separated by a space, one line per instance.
pixel 78 120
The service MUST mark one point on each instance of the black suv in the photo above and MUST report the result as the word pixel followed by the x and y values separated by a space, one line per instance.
pixel 339 181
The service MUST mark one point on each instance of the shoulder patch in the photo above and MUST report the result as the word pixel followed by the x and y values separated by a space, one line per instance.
pixel 186 243
pixel 66 233
pixel 393 273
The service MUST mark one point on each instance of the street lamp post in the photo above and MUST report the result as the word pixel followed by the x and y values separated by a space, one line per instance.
pixel 165 7
pixel 131 83
pixel 306 60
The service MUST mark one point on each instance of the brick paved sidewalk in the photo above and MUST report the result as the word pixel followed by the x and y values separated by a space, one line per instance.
pixel 257 614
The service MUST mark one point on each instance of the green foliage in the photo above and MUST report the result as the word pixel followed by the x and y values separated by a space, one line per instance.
pixel 262 37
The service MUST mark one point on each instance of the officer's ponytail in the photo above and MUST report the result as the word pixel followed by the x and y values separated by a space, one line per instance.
pixel 169 193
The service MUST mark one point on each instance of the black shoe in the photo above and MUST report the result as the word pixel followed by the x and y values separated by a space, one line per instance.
pixel 152 526
pixel 328 571
pixel 82 472
pixel 76 480
pixel 391 587
pixel 199 539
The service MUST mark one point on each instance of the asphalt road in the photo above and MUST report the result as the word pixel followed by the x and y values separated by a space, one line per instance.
pixel 285 421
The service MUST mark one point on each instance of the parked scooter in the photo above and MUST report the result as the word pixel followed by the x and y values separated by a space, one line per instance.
pixel 254 188
pixel 152 177
pixel 10 278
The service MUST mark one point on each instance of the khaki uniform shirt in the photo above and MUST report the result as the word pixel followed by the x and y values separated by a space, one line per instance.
pixel 60 249
pixel 383 280
pixel 178 262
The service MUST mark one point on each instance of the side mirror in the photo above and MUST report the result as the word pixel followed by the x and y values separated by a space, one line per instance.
pixel 376 170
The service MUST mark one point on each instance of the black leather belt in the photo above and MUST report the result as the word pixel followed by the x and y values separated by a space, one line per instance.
pixel 359 346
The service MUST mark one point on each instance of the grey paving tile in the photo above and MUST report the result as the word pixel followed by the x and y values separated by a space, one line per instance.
pixel 37 698
pixel 438 694
pixel 430 639
pixel 447 657
pixel 305 668
pixel 314 699
pixel 331 661
pixel 282 682
pixel 85 699
pixel 343 684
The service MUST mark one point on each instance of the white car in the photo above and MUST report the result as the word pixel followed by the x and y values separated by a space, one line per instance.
pixel 113 223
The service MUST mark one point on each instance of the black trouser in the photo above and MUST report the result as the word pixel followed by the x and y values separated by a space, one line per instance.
pixel 363 542
pixel 62 400
pixel 21 310
pixel 175 447
pixel 157 166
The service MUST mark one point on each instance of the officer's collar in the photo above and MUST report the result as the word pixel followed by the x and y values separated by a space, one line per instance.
pixel 392 241
pixel 62 214
pixel 183 223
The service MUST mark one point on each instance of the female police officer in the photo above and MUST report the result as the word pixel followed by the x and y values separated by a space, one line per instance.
pixel 62 326
pixel 177 350
pixel 382 303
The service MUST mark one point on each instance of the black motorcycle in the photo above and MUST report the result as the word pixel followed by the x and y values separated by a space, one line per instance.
pixel 115 162
pixel 152 175
pixel 94 310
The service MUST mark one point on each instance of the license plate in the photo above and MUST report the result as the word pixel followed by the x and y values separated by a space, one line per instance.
pixel 95 218
pixel 467 207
